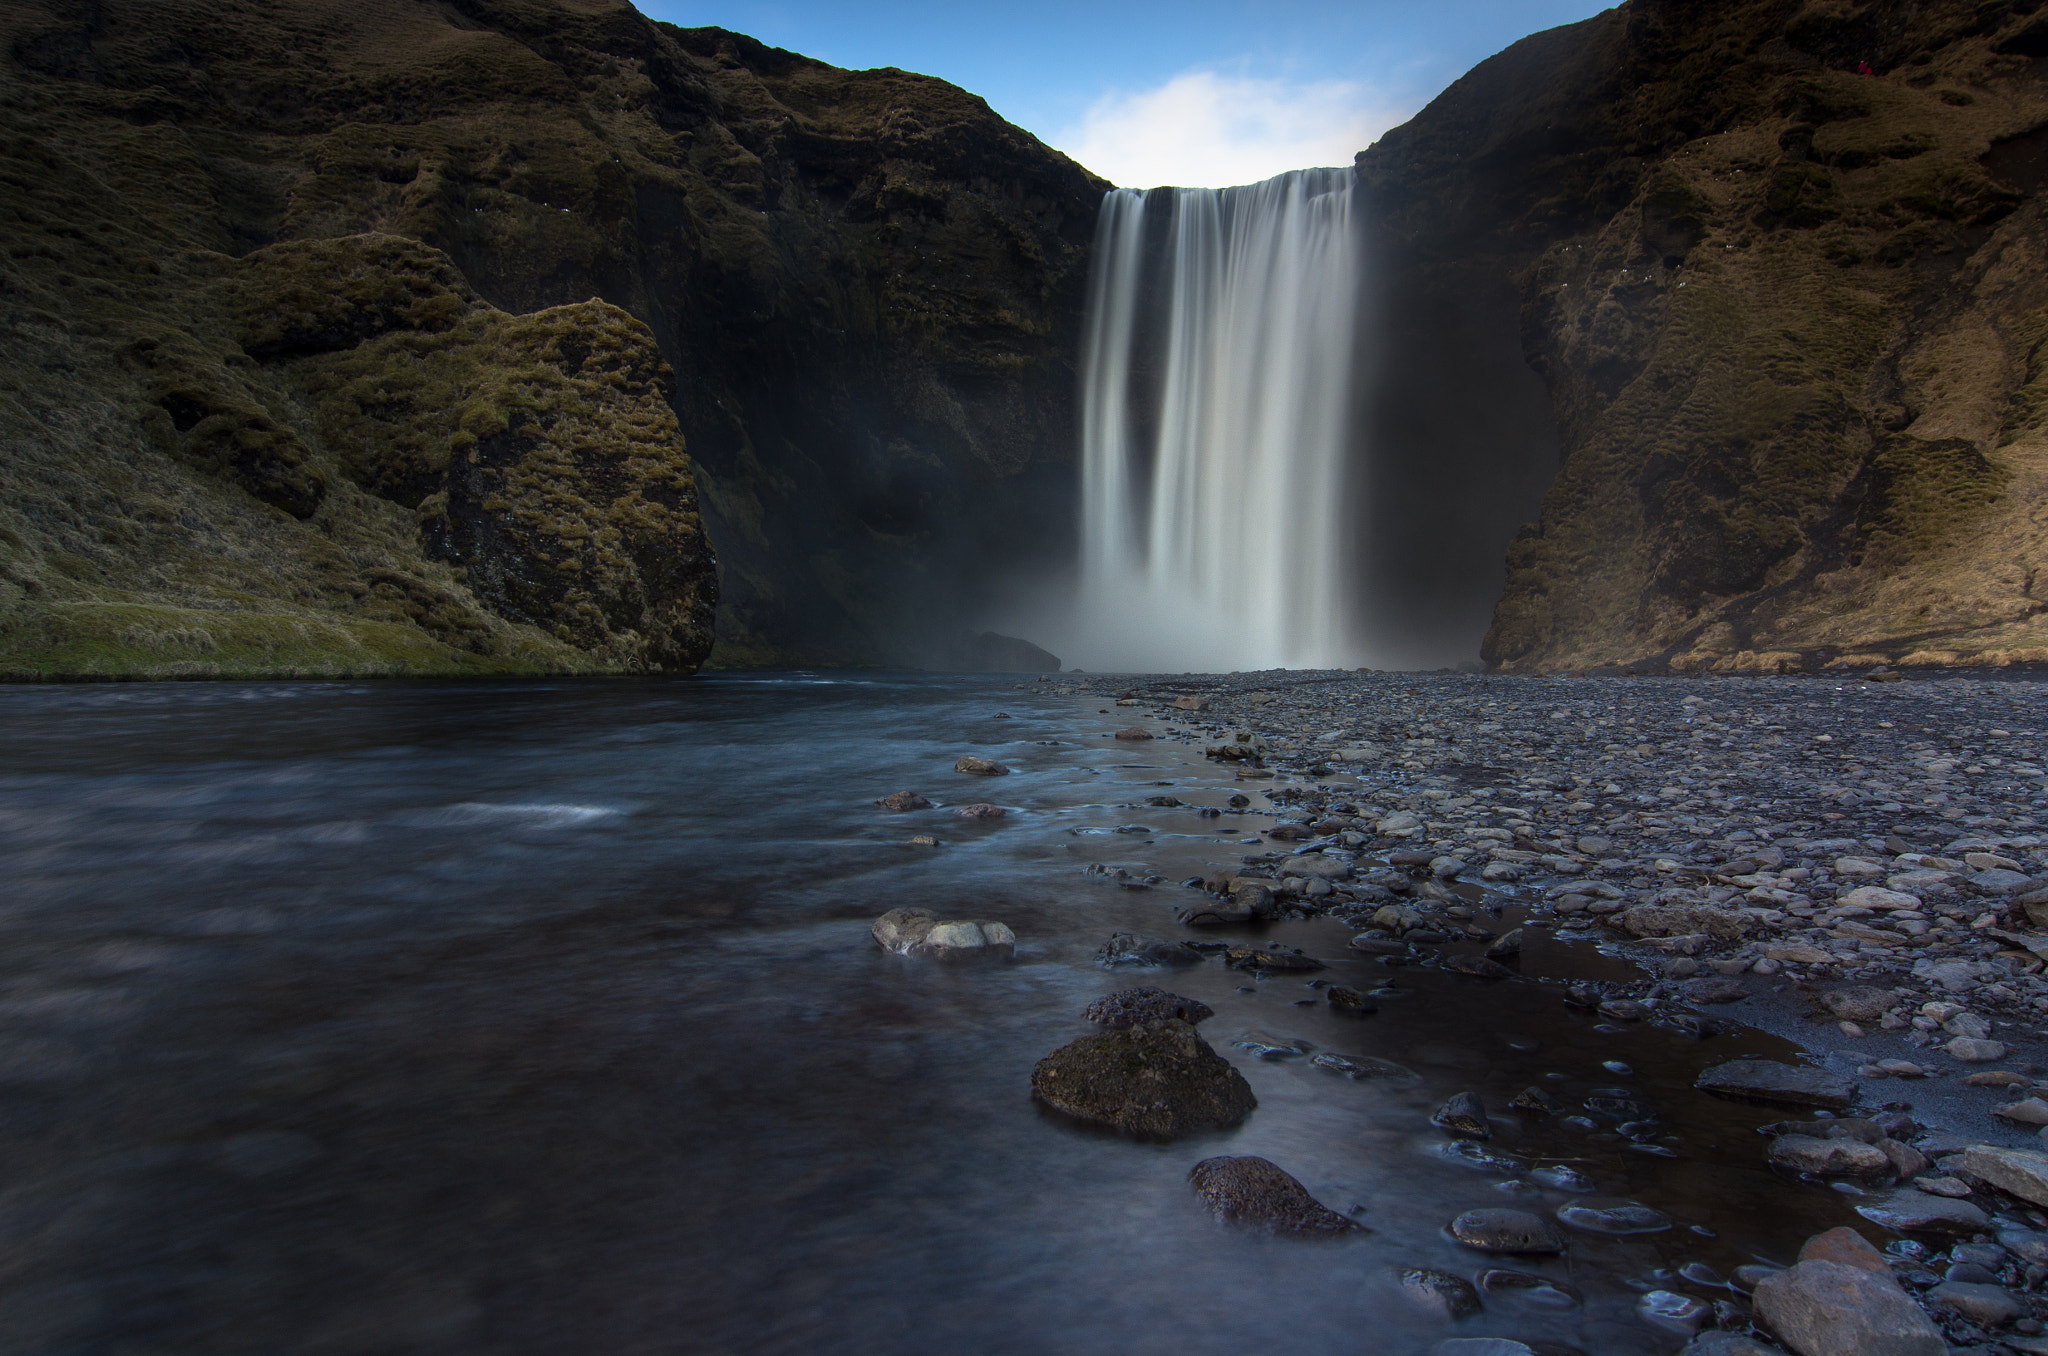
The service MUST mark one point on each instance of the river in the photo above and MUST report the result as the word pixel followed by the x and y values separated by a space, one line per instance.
pixel 543 1017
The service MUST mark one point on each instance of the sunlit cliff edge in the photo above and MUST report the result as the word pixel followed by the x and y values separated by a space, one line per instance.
pixel 1784 270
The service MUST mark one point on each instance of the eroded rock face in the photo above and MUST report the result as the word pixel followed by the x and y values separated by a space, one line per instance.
pixel 1159 1080
pixel 1259 1194
pixel 1705 212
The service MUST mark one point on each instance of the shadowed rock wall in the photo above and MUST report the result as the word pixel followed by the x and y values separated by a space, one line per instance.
pixel 528 245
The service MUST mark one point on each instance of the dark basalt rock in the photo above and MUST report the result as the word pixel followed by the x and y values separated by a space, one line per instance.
pixel 1128 1007
pixel 1128 948
pixel 903 800
pixel 1256 1193
pixel 1513 1232
pixel 1464 1116
pixel 1259 958
pixel 1158 1080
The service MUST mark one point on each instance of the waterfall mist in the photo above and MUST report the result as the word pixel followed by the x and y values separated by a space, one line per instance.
pixel 1217 413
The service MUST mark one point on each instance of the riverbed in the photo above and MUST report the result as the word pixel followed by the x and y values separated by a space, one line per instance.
pixel 544 1017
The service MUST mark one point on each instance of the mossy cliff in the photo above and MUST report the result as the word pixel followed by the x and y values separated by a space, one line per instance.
pixel 368 338
pixel 1784 269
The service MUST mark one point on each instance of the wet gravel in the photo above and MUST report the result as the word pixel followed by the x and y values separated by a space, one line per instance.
pixel 1857 864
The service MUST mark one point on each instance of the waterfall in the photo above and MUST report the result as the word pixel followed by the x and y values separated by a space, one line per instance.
pixel 1216 411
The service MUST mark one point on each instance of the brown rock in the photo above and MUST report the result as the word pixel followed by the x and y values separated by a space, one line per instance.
pixel 981 810
pixel 1159 1080
pixel 1848 1247
pixel 1823 1308
pixel 1133 732
pixel 980 767
pixel 904 800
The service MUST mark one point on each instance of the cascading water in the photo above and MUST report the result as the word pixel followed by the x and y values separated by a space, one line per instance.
pixel 1216 412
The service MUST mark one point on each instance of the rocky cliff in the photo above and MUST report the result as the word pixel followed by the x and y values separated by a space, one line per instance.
pixel 1784 270
pixel 369 338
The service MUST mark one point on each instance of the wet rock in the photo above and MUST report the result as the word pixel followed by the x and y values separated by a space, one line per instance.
pixel 1613 1218
pixel 1362 1066
pixel 981 810
pixel 1254 897
pixel 1133 733
pixel 1848 1247
pixel 923 840
pixel 1513 1232
pixel 1860 1004
pixel 904 800
pixel 980 767
pixel 1268 959
pixel 1215 913
pixel 1729 1344
pixel 1380 946
pixel 920 932
pixel 1156 1079
pixel 2021 1172
pixel 1623 1010
pixel 1673 1311
pixel 1258 1194
pixel 1526 1289
pixel 1821 1308
pixel 1479 967
pixel 1128 1007
pixel 1830 1157
pixel 1765 1080
pixel 1128 948
pixel 1350 1001
pixel 1717 989
pixel 1464 1116
pixel 1440 1292
pixel 1268 1046
pixel 1916 1212
pixel 1988 1306
pixel 1537 1100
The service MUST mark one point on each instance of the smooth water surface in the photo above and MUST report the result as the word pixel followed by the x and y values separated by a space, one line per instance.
pixel 352 1018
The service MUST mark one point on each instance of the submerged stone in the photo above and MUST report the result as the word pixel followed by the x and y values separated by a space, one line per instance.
pixel 1128 948
pixel 1515 1232
pixel 1614 1218
pixel 1128 1007
pixel 1464 1116
pixel 920 932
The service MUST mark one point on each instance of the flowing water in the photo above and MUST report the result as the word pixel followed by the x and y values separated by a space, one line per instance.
pixel 532 1018
pixel 1216 416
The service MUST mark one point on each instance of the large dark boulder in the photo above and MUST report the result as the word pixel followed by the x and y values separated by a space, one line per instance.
pixel 1157 1080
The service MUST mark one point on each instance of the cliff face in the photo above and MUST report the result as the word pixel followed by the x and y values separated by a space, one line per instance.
pixel 1784 269
pixel 369 338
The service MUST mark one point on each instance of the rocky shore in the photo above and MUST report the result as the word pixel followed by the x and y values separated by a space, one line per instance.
pixel 1859 863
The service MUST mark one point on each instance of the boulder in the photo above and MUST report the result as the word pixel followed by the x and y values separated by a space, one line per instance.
pixel 2020 1172
pixel 904 800
pixel 1766 1080
pixel 1988 1306
pixel 1128 948
pixel 1442 1293
pixel 981 810
pixel 1128 1007
pixel 1512 1232
pixel 1258 1194
pixel 1969 1050
pixel 1830 1157
pixel 1158 1079
pixel 920 932
pixel 980 767
pixel 1133 732
pixel 1821 1308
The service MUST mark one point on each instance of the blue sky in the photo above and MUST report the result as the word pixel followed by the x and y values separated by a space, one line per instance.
pixel 1197 93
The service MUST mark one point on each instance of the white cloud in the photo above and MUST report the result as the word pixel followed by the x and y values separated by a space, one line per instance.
pixel 1205 129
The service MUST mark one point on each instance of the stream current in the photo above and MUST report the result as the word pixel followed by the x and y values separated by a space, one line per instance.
pixel 352 1018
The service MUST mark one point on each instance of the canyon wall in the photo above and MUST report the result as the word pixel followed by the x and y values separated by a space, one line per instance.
pixel 1783 269
pixel 398 337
